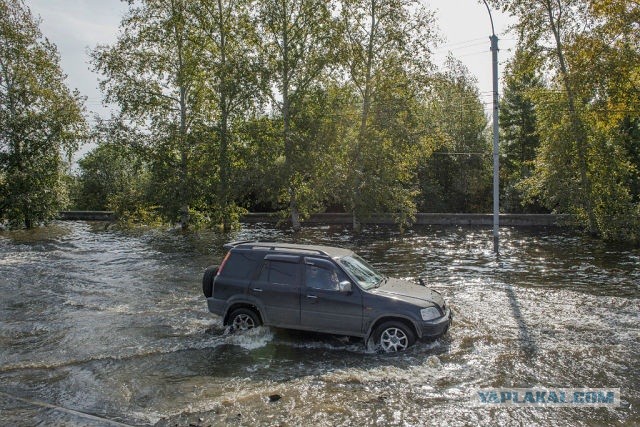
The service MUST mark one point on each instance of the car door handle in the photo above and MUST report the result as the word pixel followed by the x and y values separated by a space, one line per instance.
pixel 256 289
pixel 312 297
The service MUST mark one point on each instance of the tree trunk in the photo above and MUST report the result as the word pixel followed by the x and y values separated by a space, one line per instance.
pixel 182 137
pixel 577 127
pixel 223 127
pixel 357 227
pixel 366 106
pixel 286 116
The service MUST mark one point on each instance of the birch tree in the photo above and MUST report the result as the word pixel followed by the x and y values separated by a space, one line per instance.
pixel 298 41
pixel 231 73
pixel 41 120
pixel 585 164
pixel 386 48
pixel 152 74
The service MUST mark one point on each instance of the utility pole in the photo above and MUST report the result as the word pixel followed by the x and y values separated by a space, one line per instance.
pixel 496 157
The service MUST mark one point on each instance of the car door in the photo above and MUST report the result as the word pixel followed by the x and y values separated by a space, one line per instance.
pixel 323 307
pixel 277 286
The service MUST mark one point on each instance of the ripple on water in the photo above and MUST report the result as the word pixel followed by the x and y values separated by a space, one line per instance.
pixel 113 323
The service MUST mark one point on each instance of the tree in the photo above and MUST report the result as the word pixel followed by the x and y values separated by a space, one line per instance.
pixel 298 45
pixel 115 174
pixel 40 118
pixel 153 73
pixel 555 23
pixel 584 166
pixel 519 130
pixel 231 75
pixel 386 55
pixel 324 119
pixel 607 59
pixel 457 177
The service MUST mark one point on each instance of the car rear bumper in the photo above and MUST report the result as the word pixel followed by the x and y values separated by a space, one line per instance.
pixel 437 327
pixel 216 306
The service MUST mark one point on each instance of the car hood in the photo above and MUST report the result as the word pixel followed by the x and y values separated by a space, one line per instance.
pixel 409 292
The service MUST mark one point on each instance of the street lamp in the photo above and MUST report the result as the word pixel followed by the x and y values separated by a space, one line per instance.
pixel 496 158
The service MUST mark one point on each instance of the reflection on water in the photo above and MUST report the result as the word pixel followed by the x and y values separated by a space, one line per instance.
pixel 113 324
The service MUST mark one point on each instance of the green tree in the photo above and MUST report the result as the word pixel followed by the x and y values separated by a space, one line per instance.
pixel 298 40
pixel 607 65
pixel 115 174
pixel 323 120
pixel 585 164
pixel 40 120
pixel 519 130
pixel 386 56
pixel 542 22
pixel 153 73
pixel 232 78
pixel 457 177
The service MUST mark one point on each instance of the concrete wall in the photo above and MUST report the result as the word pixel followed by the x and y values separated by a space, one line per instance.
pixel 508 220
pixel 87 216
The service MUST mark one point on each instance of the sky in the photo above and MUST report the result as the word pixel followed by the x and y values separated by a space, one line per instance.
pixel 76 26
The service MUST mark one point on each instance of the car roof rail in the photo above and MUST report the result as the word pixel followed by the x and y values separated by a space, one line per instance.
pixel 231 245
pixel 277 246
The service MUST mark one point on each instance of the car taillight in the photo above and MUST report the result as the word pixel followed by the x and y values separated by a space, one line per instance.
pixel 224 261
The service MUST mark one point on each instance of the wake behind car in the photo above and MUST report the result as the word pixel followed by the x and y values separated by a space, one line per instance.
pixel 321 289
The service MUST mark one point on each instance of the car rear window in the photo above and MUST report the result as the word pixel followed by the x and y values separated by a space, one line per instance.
pixel 241 264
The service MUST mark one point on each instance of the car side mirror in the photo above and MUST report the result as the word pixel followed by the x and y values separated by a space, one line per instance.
pixel 345 286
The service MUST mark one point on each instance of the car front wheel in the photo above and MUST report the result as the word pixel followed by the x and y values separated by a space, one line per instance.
pixel 242 319
pixel 393 336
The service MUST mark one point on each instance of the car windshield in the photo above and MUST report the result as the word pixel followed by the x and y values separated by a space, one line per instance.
pixel 360 270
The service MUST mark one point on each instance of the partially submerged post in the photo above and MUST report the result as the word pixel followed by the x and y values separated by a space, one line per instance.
pixel 496 158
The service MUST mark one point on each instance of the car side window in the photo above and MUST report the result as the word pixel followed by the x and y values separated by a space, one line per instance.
pixel 322 274
pixel 279 272
pixel 241 264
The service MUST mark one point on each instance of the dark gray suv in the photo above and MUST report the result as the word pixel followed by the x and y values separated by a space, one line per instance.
pixel 322 289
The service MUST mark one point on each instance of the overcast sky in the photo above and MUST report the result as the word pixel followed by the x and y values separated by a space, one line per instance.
pixel 76 26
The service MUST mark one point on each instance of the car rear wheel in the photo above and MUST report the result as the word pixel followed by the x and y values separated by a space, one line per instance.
pixel 393 336
pixel 207 280
pixel 242 319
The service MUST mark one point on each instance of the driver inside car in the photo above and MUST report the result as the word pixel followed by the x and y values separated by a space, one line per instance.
pixel 321 278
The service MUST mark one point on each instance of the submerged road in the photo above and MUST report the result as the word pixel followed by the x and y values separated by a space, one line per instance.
pixel 106 327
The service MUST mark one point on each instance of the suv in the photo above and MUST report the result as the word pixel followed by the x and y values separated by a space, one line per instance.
pixel 322 289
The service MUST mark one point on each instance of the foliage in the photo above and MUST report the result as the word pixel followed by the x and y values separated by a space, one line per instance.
pixel 153 73
pixel 302 106
pixel 587 114
pixel 519 138
pixel 457 177
pixel 347 118
pixel 40 120
pixel 110 175
pixel 386 53
pixel 297 40
pixel 233 82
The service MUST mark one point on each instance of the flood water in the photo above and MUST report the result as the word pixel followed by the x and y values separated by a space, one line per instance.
pixel 100 327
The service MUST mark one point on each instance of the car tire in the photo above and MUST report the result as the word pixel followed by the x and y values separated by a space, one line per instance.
pixel 393 336
pixel 243 319
pixel 207 280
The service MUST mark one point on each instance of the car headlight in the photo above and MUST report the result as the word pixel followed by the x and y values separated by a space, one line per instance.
pixel 430 313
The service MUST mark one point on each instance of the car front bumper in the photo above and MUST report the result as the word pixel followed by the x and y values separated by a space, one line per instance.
pixel 437 327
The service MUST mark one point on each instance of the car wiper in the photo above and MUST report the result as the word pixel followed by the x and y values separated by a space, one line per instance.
pixel 384 279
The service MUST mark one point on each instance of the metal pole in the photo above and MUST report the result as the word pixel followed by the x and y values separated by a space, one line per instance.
pixel 496 158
